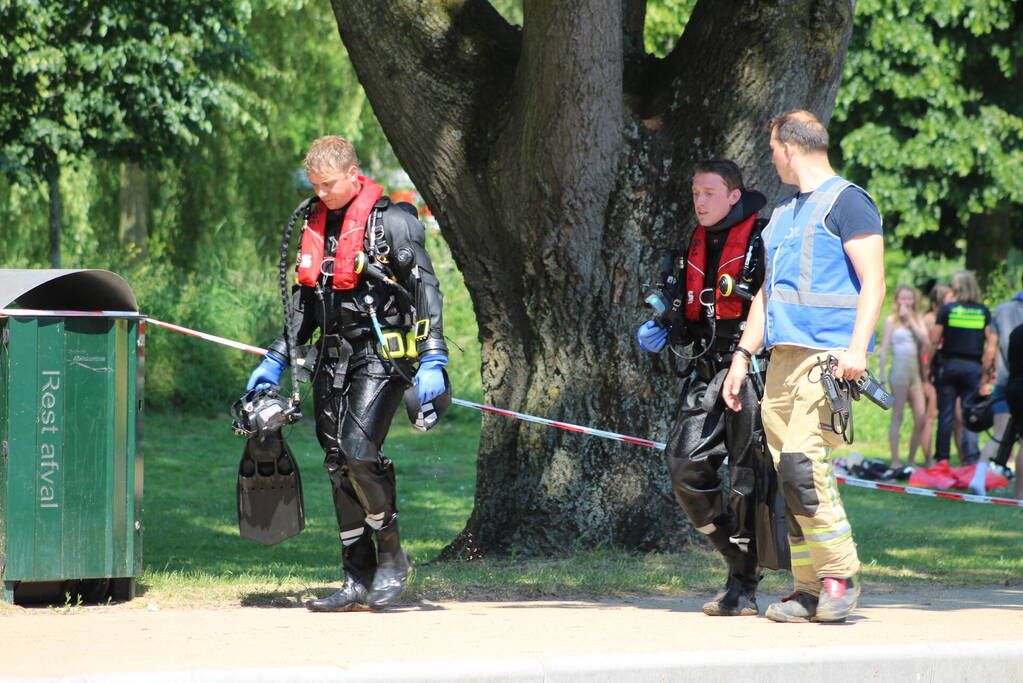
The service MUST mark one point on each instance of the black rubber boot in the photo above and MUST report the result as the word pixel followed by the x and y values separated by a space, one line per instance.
pixel 739 596
pixel 351 594
pixel 360 560
pixel 390 579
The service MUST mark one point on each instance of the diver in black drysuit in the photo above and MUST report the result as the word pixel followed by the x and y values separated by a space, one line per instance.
pixel 356 391
pixel 705 432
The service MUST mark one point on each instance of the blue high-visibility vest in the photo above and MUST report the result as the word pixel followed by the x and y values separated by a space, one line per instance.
pixel 810 283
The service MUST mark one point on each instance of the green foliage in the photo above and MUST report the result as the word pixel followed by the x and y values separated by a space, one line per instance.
pixel 459 326
pixel 511 10
pixel 929 115
pixel 310 87
pixel 120 79
pixel 665 20
pixel 188 374
pixel 219 213
pixel 23 213
pixel 1006 280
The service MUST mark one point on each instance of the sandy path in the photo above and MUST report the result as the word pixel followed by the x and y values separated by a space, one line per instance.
pixel 44 642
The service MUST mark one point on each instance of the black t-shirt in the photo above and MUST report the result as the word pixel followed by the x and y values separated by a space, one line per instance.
pixel 963 334
pixel 854 213
pixel 1015 354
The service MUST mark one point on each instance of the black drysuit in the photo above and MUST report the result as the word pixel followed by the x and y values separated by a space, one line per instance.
pixel 741 524
pixel 356 390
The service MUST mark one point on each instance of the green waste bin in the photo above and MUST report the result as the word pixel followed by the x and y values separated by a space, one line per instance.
pixel 71 369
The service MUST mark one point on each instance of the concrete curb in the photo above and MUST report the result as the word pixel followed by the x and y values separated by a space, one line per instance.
pixel 936 663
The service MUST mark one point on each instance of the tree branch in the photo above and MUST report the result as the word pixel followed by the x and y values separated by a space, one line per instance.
pixel 633 21
pixel 563 137
pixel 775 56
pixel 448 66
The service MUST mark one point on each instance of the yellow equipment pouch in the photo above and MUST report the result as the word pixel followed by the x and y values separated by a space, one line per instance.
pixel 403 344
pixel 411 348
pixel 393 345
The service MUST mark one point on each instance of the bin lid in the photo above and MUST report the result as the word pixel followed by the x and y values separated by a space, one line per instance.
pixel 72 290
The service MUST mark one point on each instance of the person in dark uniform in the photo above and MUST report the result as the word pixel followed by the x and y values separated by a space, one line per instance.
pixel 707 292
pixel 366 284
pixel 966 349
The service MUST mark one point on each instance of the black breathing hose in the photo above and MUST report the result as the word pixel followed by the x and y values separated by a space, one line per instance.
pixel 289 334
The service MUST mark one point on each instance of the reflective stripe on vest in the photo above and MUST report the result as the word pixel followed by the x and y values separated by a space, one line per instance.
pixel 966 318
pixel 810 285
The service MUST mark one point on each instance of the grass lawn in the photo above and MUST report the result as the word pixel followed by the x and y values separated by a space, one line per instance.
pixel 194 556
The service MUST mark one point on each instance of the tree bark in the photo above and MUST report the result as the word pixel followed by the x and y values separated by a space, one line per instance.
pixel 56 211
pixel 134 203
pixel 992 236
pixel 557 159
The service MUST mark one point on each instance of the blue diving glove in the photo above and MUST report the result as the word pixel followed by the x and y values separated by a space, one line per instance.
pixel 429 377
pixel 651 336
pixel 268 372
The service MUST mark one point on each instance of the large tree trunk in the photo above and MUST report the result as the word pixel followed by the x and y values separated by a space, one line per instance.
pixel 989 237
pixel 557 158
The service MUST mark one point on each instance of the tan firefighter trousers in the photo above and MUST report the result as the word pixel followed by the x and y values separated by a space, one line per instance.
pixel 797 420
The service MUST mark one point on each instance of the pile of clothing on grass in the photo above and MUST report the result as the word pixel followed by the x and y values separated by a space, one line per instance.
pixel 941 476
pixel 859 466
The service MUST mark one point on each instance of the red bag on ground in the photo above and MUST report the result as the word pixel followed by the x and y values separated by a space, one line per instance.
pixel 937 477
pixel 943 476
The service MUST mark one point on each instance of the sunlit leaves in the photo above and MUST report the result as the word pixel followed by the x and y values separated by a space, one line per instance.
pixel 665 20
pixel 119 78
pixel 930 114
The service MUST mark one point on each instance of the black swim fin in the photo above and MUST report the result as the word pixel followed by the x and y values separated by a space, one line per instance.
pixel 270 505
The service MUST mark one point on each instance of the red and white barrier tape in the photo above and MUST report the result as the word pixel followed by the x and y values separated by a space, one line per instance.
pixel 30 312
pixel 457 401
pixel 560 425
pixel 851 481
pixel 208 337
pixel 917 491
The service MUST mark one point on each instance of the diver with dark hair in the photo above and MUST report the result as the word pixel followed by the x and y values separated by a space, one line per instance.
pixel 365 328
pixel 702 302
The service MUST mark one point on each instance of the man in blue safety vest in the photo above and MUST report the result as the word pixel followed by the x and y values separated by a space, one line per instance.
pixel 822 295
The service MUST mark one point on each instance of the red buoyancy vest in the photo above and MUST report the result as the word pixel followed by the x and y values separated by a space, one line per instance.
pixel 726 307
pixel 349 244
